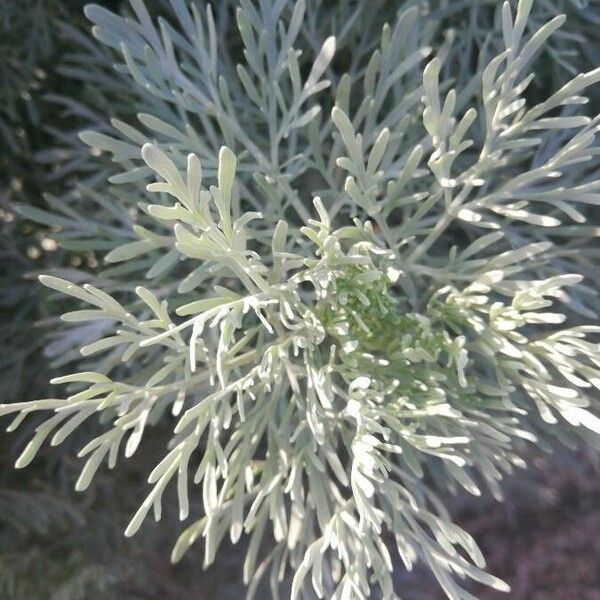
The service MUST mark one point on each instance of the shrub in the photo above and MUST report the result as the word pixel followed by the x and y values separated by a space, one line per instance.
pixel 338 282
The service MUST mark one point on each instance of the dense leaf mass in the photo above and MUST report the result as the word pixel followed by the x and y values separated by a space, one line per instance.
pixel 351 260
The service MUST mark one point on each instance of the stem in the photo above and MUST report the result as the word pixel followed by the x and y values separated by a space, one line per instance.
pixel 434 234
pixel 385 230
pixel 440 226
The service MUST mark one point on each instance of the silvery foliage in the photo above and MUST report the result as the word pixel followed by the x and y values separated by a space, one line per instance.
pixel 370 299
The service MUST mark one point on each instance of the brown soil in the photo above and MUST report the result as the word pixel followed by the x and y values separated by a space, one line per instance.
pixel 545 540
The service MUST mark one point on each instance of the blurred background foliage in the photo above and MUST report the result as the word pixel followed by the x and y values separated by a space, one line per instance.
pixel 54 80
